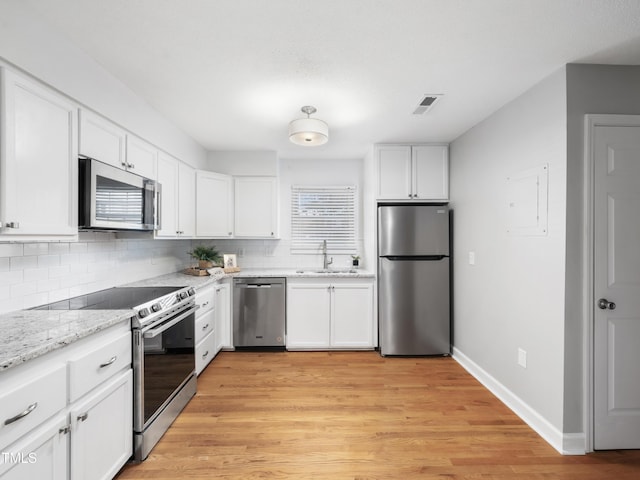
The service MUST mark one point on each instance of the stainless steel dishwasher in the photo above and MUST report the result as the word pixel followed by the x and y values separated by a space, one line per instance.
pixel 259 312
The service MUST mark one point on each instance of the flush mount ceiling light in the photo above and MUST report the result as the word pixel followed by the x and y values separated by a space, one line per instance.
pixel 308 131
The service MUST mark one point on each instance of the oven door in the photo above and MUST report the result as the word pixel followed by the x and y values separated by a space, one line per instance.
pixel 163 362
pixel 114 199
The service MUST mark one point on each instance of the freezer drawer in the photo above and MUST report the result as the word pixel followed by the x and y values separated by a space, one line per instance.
pixel 414 315
pixel 259 312
pixel 413 230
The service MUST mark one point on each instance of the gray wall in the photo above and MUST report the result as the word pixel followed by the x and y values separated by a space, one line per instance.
pixel 513 297
pixel 590 89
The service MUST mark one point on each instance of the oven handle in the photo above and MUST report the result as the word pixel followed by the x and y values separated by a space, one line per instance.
pixel 154 332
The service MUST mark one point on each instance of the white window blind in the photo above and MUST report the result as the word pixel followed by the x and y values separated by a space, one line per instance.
pixel 323 213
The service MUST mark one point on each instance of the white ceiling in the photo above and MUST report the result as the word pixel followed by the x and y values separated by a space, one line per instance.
pixel 233 73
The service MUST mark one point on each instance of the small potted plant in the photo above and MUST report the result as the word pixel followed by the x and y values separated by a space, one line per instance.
pixel 355 260
pixel 206 256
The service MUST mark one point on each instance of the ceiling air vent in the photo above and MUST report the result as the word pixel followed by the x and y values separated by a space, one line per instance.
pixel 426 104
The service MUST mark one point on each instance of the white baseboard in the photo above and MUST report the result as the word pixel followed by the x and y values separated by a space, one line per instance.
pixel 565 443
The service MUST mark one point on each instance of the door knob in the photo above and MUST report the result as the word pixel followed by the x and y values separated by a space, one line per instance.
pixel 605 304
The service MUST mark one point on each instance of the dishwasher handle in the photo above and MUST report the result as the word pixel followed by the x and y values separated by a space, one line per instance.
pixel 255 285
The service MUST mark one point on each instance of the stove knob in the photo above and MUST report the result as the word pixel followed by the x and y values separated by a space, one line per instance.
pixel 143 313
pixel 156 307
pixel 191 291
pixel 183 295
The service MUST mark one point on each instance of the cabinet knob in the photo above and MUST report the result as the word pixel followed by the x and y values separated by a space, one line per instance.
pixel 131 165
pixel 230 233
pixel 12 225
pixel 83 417
pixel 64 430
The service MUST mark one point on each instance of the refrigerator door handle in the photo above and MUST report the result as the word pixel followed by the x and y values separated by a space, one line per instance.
pixel 414 258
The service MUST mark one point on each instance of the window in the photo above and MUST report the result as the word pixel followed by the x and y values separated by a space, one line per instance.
pixel 323 213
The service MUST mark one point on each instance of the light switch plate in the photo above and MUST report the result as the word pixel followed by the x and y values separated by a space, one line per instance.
pixel 472 258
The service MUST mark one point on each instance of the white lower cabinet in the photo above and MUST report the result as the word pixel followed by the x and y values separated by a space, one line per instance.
pixel 206 347
pixel 68 415
pixel 102 430
pixel 41 455
pixel 205 327
pixel 223 315
pixel 335 314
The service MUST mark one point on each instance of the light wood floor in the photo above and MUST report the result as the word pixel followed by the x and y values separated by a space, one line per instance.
pixel 356 415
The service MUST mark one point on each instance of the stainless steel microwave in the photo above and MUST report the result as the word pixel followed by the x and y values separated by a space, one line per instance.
pixel 114 199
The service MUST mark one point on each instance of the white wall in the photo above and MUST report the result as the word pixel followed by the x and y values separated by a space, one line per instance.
pixel 35 47
pixel 513 297
pixel 277 253
pixel 251 163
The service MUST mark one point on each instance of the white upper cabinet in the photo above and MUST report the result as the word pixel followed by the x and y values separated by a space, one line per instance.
pixel 394 172
pixel 186 200
pixel 177 198
pixel 141 157
pixel 39 161
pixel 256 207
pixel 105 141
pixel 214 205
pixel 167 171
pixel 412 172
pixel 102 139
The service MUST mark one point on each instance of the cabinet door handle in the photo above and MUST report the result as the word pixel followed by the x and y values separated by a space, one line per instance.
pixel 12 225
pixel 64 430
pixel 109 362
pixel 204 327
pixel 29 409
pixel 130 165
pixel 83 417
pixel 124 164
pixel 230 233
pixel 204 355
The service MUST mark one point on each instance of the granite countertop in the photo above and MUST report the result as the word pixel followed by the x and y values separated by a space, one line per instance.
pixel 28 334
pixel 182 279
pixel 304 273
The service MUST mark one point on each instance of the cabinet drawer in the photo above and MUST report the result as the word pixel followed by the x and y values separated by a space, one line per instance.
pixel 205 299
pixel 31 403
pixel 89 369
pixel 205 351
pixel 205 324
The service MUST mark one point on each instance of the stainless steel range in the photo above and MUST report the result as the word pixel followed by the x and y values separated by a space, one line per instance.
pixel 163 353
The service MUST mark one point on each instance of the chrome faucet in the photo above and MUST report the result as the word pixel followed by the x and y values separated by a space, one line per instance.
pixel 325 262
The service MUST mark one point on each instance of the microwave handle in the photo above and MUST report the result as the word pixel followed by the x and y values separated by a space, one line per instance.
pixel 158 213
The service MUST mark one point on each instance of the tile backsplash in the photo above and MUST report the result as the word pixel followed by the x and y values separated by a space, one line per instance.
pixel 275 254
pixel 33 274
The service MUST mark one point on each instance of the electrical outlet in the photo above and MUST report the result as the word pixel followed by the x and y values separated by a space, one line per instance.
pixel 472 258
pixel 241 252
pixel 522 358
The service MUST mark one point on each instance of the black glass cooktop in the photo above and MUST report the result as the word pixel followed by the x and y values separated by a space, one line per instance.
pixel 117 298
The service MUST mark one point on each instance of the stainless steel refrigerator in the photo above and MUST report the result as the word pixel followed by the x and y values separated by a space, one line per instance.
pixel 413 283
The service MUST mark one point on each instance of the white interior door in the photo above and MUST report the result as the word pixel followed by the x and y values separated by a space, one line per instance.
pixel 616 287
